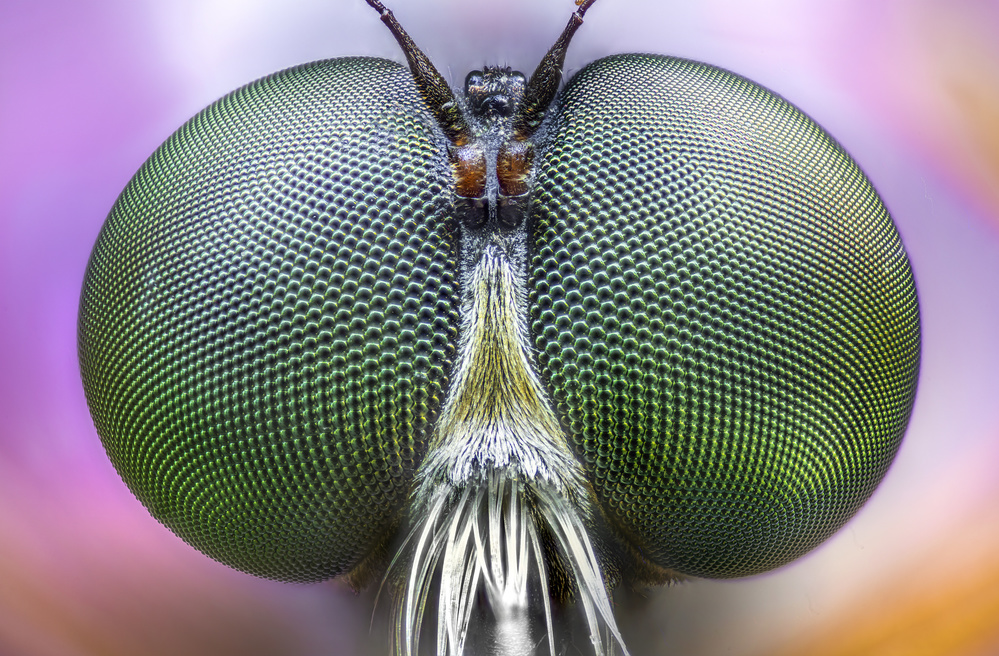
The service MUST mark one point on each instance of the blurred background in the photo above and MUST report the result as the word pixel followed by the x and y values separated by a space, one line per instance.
pixel 89 89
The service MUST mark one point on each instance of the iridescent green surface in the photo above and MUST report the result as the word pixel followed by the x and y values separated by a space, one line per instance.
pixel 268 316
pixel 724 311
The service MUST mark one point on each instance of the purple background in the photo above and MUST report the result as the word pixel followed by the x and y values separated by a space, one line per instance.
pixel 89 89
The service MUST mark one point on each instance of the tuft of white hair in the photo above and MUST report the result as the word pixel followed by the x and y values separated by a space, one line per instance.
pixel 487 536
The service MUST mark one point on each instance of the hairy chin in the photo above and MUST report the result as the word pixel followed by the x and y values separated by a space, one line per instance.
pixel 480 549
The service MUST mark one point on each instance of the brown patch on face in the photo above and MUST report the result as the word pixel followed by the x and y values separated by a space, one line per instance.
pixel 513 167
pixel 469 164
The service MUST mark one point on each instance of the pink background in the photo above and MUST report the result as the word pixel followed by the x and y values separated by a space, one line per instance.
pixel 89 89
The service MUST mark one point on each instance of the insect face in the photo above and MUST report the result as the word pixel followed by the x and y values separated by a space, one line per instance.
pixel 519 345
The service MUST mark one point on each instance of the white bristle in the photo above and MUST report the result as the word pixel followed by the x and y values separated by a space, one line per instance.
pixel 485 536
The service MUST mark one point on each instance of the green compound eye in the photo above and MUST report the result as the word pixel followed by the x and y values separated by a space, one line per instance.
pixel 724 311
pixel 524 343
pixel 269 317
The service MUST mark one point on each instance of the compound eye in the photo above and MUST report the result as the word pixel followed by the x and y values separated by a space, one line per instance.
pixel 260 350
pixel 734 338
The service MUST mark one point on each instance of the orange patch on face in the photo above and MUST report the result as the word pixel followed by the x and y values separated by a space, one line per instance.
pixel 469 163
pixel 513 167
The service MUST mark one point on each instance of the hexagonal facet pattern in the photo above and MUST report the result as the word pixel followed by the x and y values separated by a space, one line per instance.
pixel 724 312
pixel 269 315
